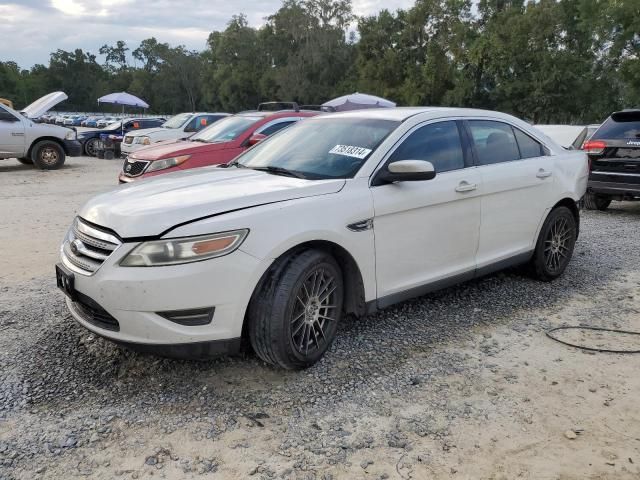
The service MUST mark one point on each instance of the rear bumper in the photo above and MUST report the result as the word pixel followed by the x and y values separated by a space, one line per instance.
pixel 614 188
pixel 73 148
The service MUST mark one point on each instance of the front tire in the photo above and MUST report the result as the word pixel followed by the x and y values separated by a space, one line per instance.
pixel 295 310
pixel 596 202
pixel 90 147
pixel 555 245
pixel 47 155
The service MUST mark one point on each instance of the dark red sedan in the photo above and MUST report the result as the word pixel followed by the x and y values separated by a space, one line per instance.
pixel 217 144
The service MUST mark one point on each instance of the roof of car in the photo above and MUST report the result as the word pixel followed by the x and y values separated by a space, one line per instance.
pixel 266 113
pixel 402 113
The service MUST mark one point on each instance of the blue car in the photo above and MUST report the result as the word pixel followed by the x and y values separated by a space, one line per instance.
pixel 92 122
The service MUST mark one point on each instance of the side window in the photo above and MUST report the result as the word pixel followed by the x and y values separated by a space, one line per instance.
pixel 209 119
pixel 577 143
pixel 192 126
pixel 438 143
pixel 276 127
pixel 494 142
pixel 529 147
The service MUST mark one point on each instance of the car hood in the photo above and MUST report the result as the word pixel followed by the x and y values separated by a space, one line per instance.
pixel 172 149
pixel 44 104
pixel 152 207
pixel 148 131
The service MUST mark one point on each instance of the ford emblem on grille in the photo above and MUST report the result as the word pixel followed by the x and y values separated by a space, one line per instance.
pixel 75 246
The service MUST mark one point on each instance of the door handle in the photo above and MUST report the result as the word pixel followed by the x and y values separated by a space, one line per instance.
pixel 465 186
pixel 542 173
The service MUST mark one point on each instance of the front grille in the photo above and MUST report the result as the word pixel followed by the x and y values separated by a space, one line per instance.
pixel 133 168
pixel 87 247
pixel 128 139
pixel 93 313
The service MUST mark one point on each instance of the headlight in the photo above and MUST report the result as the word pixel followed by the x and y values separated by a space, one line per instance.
pixel 71 135
pixel 175 251
pixel 167 163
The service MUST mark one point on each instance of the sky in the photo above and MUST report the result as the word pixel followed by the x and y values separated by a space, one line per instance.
pixel 31 29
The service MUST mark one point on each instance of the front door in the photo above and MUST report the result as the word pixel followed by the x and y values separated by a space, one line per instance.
pixel 11 135
pixel 427 231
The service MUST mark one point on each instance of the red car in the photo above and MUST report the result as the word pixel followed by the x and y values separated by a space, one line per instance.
pixel 217 144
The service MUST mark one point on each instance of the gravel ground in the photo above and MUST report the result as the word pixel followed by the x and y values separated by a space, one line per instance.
pixel 459 384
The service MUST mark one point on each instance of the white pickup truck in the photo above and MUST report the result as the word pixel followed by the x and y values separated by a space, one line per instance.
pixel 43 145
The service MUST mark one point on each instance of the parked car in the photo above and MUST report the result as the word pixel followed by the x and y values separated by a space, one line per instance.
pixel 90 118
pixel 92 122
pixel 89 138
pixel 614 160
pixel 106 121
pixel 568 136
pixel 216 144
pixel 180 126
pixel 44 145
pixel 339 214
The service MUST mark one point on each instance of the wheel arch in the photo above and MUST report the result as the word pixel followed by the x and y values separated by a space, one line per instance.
pixel 571 204
pixel 43 139
pixel 354 295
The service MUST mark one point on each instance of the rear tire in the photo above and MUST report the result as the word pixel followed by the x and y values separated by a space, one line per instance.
pixel 555 245
pixel 294 313
pixel 596 202
pixel 47 155
pixel 25 161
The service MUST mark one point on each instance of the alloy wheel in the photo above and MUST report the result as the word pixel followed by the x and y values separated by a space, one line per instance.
pixel 314 309
pixel 557 247
pixel 91 148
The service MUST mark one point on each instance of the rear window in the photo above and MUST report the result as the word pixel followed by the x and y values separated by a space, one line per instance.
pixel 620 125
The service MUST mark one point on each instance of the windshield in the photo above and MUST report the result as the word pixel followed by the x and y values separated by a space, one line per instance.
pixel 320 148
pixel 177 121
pixel 225 130
pixel 114 126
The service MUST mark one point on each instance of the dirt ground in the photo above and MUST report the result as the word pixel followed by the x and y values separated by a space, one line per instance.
pixel 505 401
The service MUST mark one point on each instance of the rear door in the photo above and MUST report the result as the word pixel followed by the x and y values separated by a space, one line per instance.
pixel 12 143
pixel 517 184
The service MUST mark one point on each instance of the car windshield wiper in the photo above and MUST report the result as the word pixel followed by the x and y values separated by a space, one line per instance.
pixel 198 140
pixel 280 171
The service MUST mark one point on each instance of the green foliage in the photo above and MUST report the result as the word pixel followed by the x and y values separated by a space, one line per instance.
pixel 543 60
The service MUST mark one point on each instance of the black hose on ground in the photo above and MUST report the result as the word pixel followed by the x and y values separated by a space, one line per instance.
pixel 592 349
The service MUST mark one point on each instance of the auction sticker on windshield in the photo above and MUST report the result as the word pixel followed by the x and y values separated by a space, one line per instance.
pixel 350 151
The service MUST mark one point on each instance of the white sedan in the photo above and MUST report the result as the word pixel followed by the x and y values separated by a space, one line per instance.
pixel 340 214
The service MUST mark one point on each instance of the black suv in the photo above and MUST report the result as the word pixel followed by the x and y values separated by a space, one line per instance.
pixel 614 160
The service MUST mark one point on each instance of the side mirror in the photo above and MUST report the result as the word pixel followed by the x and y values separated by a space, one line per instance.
pixel 256 138
pixel 406 171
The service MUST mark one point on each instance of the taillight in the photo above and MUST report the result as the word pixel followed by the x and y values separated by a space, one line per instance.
pixel 594 146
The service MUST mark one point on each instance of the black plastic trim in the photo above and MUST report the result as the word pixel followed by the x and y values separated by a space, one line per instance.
pixel 388 300
pixel 185 351
pixel 190 318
